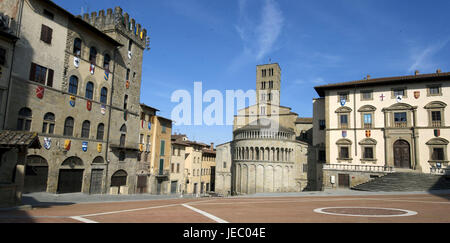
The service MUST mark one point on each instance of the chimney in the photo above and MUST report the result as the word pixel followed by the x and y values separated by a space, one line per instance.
pixel 212 146
pixel 439 70
pixel 416 72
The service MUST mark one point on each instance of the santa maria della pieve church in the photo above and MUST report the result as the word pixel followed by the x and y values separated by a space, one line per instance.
pixel 269 150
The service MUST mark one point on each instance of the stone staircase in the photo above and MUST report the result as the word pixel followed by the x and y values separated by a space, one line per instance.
pixel 405 181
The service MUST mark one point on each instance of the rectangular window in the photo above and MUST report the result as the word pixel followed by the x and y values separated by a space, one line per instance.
pixel 436 118
pixel 161 166
pixel 49 14
pixel 178 168
pixel 2 56
pixel 172 168
pixel 163 129
pixel 322 156
pixel 263 72
pixel 367 120
pixel 46 34
pixel 344 121
pixel 438 154
pixel 344 153
pixel 41 74
pixel 400 119
pixel 322 124
pixel 368 153
pixel 399 92
pixel 163 145
pixel 224 165
pixel 343 96
pixel 270 84
pixel 434 90
pixel 366 95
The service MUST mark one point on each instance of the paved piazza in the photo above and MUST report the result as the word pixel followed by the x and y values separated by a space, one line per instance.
pixel 290 208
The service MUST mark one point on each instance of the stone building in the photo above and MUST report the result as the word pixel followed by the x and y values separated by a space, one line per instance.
pixel 199 162
pixel 145 148
pixel 208 168
pixel 371 127
pixel 154 152
pixel 265 155
pixel 76 82
pixel 178 172
pixel 160 154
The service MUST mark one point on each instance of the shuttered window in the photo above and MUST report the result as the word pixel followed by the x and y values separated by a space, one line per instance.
pixel 41 74
pixel 163 145
pixel 46 34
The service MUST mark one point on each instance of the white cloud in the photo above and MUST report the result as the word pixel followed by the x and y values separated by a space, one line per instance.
pixel 258 37
pixel 423 59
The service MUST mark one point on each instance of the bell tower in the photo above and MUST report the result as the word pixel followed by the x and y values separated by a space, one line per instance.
pixel 268 85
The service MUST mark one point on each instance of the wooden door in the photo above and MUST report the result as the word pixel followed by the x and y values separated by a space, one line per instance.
pixel 96 182
pixel 402 157
pixel 70 181
pixel 344 181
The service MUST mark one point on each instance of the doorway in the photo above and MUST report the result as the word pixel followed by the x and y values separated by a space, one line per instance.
pixel 402 158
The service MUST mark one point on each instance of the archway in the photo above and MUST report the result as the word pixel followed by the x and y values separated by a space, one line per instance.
pixel 70 178
pixel 119 181
pixel 36 174
pixel 402 155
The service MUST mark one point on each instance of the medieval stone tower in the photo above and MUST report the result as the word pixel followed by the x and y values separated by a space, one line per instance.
pixel 126 86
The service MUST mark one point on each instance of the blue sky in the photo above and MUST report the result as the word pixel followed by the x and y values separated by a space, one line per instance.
pixel 220 42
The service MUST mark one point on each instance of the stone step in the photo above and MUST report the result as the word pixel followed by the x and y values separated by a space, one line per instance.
pixel 405 181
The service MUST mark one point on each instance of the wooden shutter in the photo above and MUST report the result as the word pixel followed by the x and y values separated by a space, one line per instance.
pixel 33 72
pixel 50 77
pixel 46 34
pixel 49 35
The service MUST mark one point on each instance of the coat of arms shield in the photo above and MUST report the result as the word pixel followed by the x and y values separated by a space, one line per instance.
pixel 417 94
pixel 40 92
pixel 47 143
pixel 84 146
pixel 72 101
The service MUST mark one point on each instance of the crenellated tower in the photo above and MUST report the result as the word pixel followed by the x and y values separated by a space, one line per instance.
pixel 127 76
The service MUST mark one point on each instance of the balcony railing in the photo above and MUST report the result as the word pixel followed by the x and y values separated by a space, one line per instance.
pixel 400 124
pixel 439 171
pixel 164 173
pixel 360 168
pixel 436 123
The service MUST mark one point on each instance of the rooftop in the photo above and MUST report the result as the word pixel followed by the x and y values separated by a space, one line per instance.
pixel 381 81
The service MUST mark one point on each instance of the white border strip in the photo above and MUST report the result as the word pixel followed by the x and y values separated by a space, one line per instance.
pixel 408 212
pixel 83 220
pixel 218 220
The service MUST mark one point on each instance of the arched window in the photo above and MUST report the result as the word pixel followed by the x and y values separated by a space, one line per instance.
pixel 125 102
pixel 24 120
pixel 77 47
pixel 123 131
pixel 89 90
pixel 100 131
pixel 106 61
pixel 93 55
pixel 104 95
pixel 68 126
pixel 85 129
pixel 73 85
pixel 49 123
